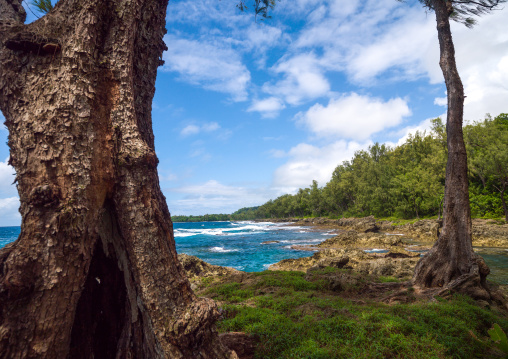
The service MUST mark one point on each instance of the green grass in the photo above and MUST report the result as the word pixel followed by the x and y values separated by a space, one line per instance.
pixel 388 279
pixel 297 318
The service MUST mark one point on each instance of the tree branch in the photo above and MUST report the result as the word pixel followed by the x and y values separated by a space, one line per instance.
pixel 467 2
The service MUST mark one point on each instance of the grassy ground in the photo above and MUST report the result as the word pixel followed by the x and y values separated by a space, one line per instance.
pixel 332 313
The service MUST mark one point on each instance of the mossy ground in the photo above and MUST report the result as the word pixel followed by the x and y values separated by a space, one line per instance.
pixel 295 315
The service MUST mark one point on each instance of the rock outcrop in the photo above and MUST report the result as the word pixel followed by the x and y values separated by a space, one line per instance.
pixel 398 263
pixel 354 239
pixel 486 233
pixel 197 269
pixel 243 344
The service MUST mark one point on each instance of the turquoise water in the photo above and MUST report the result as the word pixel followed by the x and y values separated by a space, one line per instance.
pixel 240 244
pixel 8 235
pixel 233 244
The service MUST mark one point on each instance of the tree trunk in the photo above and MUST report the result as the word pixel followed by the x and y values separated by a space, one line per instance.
pixel 94 272
pixel 503 201
pixel 451 262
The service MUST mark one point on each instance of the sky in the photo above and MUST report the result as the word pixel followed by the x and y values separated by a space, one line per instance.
pixel 246 110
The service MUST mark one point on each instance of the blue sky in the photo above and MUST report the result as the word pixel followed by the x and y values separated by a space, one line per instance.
pixel 245 111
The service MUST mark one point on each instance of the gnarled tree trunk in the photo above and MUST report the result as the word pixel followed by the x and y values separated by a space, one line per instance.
pixel 94 272
pixel 451 262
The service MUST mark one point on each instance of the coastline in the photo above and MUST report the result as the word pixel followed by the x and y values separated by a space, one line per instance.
pixel 486 233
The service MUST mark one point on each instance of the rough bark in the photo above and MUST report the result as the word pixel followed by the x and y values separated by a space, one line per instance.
pixel 451 262
pixel 505 207
pixel 94 272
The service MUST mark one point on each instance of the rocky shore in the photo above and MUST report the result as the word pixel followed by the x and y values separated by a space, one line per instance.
pixel 401 245
pixel 362 245
pixel 197 270
pixel 486 233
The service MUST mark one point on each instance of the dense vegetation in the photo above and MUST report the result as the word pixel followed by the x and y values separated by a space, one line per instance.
pixel 204 218
pixel 406 181
pixel 295 315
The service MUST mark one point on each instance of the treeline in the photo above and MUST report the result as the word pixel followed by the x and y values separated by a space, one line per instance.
pixel 406 181
pixel 240 215
pixel 204 218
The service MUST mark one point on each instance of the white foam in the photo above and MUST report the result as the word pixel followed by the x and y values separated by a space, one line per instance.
pixel 222 250
pixel 375 250
pixel 301 241
pixel 177 234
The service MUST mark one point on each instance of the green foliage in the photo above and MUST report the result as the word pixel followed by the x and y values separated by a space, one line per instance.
pixel 399 183
pixel 499 337
pixel 261 7
pixel 43 6
pixel 462 11
pixel 204 218
pixel 404 182
pixel 487 147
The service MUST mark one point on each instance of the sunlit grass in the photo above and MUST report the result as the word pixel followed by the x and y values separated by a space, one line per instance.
pixel 297 318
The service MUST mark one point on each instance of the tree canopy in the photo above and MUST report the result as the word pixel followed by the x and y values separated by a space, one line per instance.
pixel 406 181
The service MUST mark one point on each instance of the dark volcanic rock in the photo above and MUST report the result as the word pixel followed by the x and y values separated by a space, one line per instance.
pixel 242 343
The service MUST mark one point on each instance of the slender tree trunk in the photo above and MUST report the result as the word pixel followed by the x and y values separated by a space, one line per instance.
pixel 505 208
pixel 94 272
pixel 452 262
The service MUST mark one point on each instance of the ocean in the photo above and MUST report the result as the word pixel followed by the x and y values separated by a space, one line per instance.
pixel 254 246
pixel 234 244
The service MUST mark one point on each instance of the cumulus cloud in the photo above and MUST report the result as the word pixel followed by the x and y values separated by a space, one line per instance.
pixel 441 101
pixel 354 116
pixel 268 107
pixel 213 66
pixel 303 79
pixel 9 215
pixel 307 162
pixel 215 197
pixel 424 126
pixel 407 48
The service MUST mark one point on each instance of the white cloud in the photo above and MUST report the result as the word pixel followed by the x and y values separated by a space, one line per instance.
pixel 6 179
pixel 210 126
pixel 308 162
pixel 272 138
pixel 215 197
pixel 9 215
pixel 269 107
pixel 303 79
pixel 277 153
pixel 423 127
pixel 354 116
pixel 441 101
pixel 167 177
pixel 190 130
pixel 213 66
pixel 486 89
pixel 404 48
